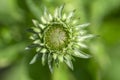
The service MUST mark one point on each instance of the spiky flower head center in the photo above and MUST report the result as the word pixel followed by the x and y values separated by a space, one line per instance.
pixel 56 37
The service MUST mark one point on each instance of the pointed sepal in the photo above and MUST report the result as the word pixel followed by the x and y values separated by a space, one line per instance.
pixel 34 59
pixel 88 36
pixel 67 60
pixel 32 46
pixel 44 58
pixel 61 10
pixel 82 25
pixel 50 65
pixel 56 13
pixel 35 22
pixel 80 54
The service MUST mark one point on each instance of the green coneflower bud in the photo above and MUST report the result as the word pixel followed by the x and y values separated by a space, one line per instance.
pixel 58 38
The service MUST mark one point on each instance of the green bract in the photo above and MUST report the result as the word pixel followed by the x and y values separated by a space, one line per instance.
pixel 58 38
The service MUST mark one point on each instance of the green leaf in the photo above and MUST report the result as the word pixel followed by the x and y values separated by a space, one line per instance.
pixel 31 30
pixel 32 46
pixel 44 57
pixel 35 22
pixel 81 26
pixel 61 10
pixel 70 15
pixel 68 61
pixel 50 63
pixel 80 54
pixel 34 59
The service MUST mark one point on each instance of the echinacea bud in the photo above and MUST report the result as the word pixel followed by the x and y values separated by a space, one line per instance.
pixel 59 38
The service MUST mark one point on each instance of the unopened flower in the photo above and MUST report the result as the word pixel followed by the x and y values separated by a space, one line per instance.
pixel 58 38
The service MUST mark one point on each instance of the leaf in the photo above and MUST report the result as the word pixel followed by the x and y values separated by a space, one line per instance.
pixel 50 17
pixel 70 15
pixel 60 10
pixel 34 59
pixel 42 26
pixel 64 16
pixel 45 12
pixel 56 13
pixel 44 57
pixel 82 45
pixel 34 37
pixel 35 22
pixel 43 20
pixel 80 54
pixel 50 63
pixel 32 46
pixel 31 30
pixel 68 61
pixel 88 36
pixel 47 16
pixel 82 25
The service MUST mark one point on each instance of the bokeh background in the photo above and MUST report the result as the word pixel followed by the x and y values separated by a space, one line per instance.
pixel 16 16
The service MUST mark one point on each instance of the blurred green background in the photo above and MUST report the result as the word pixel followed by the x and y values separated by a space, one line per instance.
pixel 16 16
